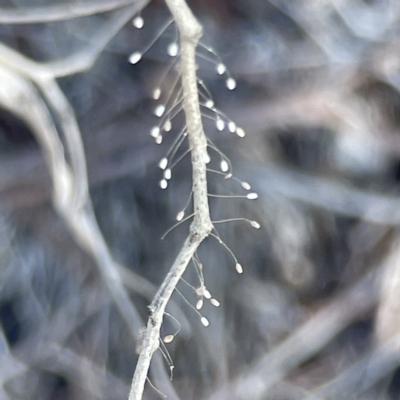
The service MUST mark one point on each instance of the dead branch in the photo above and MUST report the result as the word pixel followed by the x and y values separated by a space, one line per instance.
pixel 58 12
pixel 190 33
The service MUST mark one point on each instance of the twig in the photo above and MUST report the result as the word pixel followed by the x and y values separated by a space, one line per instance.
pixel 72 136
pixel 190 33
pixel 10 367
pixel 77 62
pixel 59 12
pixel 79 217
pixel 142 286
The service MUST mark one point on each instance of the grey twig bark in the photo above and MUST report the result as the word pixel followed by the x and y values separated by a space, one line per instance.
pixel 190 32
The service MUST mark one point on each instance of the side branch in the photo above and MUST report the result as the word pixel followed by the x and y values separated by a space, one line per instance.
pixel 190 32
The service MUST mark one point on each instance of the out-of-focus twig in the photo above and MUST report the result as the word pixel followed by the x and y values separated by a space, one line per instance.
pixel 387 323
pixel 77 62
pixel 306 341
pixel 26 103
pixel 58 12
pixel 327 36
pixel 368 21
pixel 9 368
pixel 326 194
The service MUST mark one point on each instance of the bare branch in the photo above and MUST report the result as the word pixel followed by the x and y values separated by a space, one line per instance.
pixel 190 33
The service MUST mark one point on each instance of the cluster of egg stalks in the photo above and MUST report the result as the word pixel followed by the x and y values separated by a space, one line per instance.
pixel 222 122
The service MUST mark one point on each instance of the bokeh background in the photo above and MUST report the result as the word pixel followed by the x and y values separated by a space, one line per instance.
pixel 315 315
